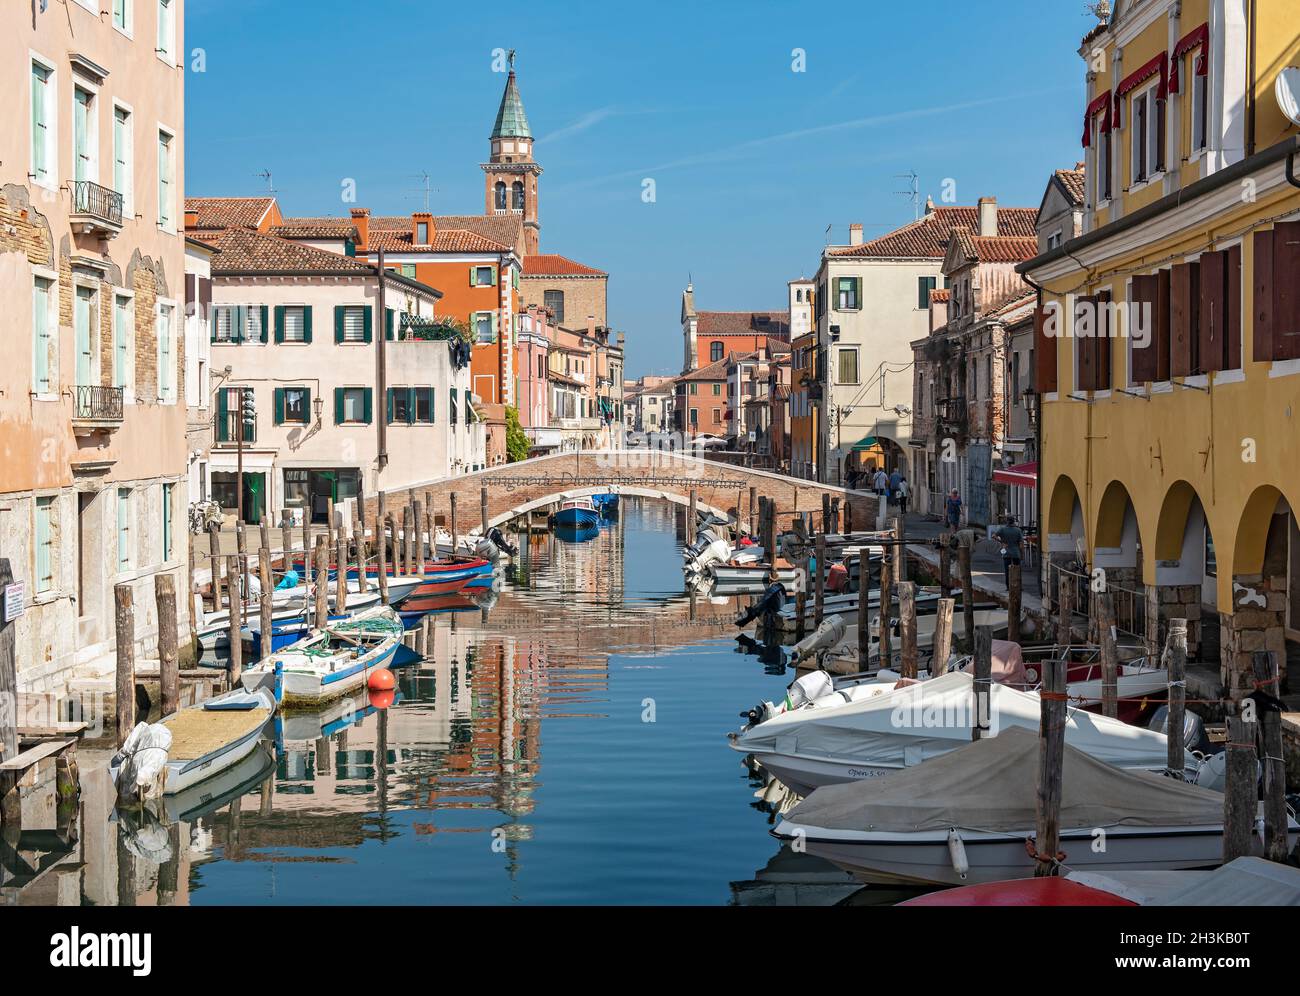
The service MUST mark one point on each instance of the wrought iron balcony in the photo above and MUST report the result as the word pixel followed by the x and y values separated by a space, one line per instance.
pixel 95 208
pixel 98 404
pixel 951 416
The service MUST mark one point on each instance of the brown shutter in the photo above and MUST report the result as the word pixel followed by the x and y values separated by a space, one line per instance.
pixel 1262 346
pixel 1104 344
pixel 1163 317
pixel 1142 308
pixel 191 293
pixel 1182 325
pixel 1286 290
pixel 1044 354
pixel 1213 299
pixel 1232 310
pixel 1085 354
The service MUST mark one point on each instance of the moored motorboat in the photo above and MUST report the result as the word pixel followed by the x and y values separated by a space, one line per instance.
pixel 866 732
pixel 965 817
pixel 578 512
pixel 331 661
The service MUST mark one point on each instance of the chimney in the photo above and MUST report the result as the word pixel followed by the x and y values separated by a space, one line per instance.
pixel 191 220
pixel 421 229
pixel 988 208
pixel 361 218
pixel 591 326
pixel 855 235
pixel 929 205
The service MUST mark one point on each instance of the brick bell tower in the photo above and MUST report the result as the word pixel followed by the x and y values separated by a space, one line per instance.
pixel 510 174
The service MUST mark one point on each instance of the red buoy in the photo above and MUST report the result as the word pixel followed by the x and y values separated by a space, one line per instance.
pixel 382 680
pixel 382 698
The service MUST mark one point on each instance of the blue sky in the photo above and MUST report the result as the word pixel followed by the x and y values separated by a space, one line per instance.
pixel 751 161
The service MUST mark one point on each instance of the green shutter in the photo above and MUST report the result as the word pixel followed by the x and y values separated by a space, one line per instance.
pixel 338 406
pixel 410 406
pixel 306 404
pixel 389 405
pixel 279 395
pixel 367 413
pixel 223 417
pixel 306 323
pixel 263 323
pixel 496 331
pixel 472 272
pixel 237 324
pixel 368 313
pixel 494 276
pixel 279 323
pixel 338 323
pixel 388 324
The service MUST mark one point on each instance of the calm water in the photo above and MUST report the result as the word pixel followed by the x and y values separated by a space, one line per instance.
pixel 563 742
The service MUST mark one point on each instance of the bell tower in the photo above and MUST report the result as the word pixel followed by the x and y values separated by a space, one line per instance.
pixel 510 174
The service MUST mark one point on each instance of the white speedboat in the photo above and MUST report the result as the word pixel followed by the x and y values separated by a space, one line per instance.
pixel 332 661
pixel 964 818
pixel 865 732
pixel 213 630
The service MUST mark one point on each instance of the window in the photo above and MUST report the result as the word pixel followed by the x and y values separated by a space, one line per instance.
pixel 84 138
pixel 85 328
pixel 292 405
pixel 1147 138
pixel 45 337
pixel 499 195
pixel 717 389
pixel 423 405
pixel 123 334
pixel 44 161
pixel 166 355
pixel 717 416
pixel 408 270
pixel 421 238
pixel 352 323
pixel 715 352
pixel 167 522
pixel 1054 240
pixel 469 408
pixel 352 405
pixel 848 371
pixel 166 198
pixel 482 276
pixel 293 323
pixel 517 195
pixel 297 488
pixel 485 323
pixel 166 31
pixel 695 418
pixel 228 416
pixel 124 536
pixel 846 293
pixel 123 178
pixel 44 543
pixel 923 287
pixel 401 406
pixel 122 15
pixel 1200 108
pixel 694 387
pixel 452 408
pixel 554 302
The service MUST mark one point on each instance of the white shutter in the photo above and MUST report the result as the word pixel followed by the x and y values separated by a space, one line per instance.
pixel 354 326
pixel 294 330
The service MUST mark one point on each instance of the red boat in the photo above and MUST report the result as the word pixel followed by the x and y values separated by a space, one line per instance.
pixel 1051 891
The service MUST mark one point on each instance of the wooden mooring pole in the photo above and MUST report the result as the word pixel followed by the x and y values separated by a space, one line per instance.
pixel 1013 602
pixel 1106 634
pixel 900 558
pixel 8 676
pixel 124 631
pixel 819 579
pixel 164 593
pixel 483 510
pixel 885 651
pixel 1051 760
pixel 1176 664
pixel 322 581
pixel 455 534
pixel 266 602
pixel 1065 611
pixel 967 597
pixel 236 667
pixel 907 628
pixel 983 681
pixel 1270 731
pixel 214 544
pixel 381 552
pixel 1240 790
pixel 941 647
pixel 340 573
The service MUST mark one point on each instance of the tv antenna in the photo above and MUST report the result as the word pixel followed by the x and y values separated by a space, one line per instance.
pixel 912 193
pixel 425 188
pixel 266 175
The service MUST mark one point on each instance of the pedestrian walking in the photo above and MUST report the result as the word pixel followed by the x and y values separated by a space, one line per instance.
pixel 881 484
pixel 904 493
pixel 1012 538
pixel 952 509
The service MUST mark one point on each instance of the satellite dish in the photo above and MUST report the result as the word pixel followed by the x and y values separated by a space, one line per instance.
pixel 1287 91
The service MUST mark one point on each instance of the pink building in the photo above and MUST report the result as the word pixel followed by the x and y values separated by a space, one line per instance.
pixel 532 361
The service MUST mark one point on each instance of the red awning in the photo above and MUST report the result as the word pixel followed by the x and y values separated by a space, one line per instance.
pixel 1022 475
pixel 1159 66
pixel 1196 38
pixel 1099 106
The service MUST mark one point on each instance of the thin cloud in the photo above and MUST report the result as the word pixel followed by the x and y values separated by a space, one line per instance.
pixel 588 120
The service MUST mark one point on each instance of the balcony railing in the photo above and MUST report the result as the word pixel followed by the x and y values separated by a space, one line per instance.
pixel 951 416
pixel 90 200
pixel 99 404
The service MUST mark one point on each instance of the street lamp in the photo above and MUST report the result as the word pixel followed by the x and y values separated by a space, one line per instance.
pixel 247 420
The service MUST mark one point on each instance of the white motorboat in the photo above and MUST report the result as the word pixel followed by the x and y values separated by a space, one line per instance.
pixel 332 661
pixel 213 631
pixel 867 731
pixel 965 818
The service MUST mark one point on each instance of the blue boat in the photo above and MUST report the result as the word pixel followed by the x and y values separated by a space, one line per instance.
pixel 606 505
pixel 577 512
pixel 576 534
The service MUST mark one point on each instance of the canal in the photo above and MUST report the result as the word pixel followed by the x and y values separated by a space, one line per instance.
pixel 563 742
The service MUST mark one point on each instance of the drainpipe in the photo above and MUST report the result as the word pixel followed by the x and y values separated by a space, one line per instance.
pixel 1290 170
pixel 1038 453
pixel 381 372
pixel 1250 81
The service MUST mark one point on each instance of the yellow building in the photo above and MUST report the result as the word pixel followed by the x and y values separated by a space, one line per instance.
pixel 805 408
pixel 1171 455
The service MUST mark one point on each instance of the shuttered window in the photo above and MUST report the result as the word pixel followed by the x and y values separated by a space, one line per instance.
pixel 848 293
pixel 1149 323
pixel 43 159
pixel 43 335
pixel 224 328
pixel 123 313
pixel 848 372
pixel 44 543
pixel 452 407
pixel 122 178
pixel 923 287
pixel 124 531
pixel 424 405
pixel 166 360
pixel 165 193
pixel 352 323
pixel 167 522
pixel 1044 352
pixel 1277 293
pixel 253 329
pixel 1184 319
pixel 292 323
pixel 352 405
pixel 1219 317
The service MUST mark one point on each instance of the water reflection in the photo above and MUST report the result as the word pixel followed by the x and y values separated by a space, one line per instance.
pixel 560 741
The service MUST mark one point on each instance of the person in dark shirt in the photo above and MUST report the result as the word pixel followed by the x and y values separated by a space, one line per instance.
pixel 1012 537
pixel 952 509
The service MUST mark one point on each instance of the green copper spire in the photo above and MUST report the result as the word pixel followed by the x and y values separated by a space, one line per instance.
pixel 511 121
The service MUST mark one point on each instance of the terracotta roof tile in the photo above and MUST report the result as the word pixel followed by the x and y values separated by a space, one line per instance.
pixel 714 371
pixel 228 212
pixel 504 229
pixel 940 295
pixel 316 228
pixel 444 240
pixel 929 237
pixel 1073 182
pixel 775 323
pixel 244 250
pixel 555 265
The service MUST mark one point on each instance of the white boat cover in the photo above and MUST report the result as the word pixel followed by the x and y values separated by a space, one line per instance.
pixel 914 723
pixel 992 785
pixel 1244 882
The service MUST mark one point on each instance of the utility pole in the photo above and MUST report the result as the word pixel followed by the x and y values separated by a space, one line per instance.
pixel 381 371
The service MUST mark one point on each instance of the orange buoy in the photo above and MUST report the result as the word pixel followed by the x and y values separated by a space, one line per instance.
pixel 382 680
pixel 382 698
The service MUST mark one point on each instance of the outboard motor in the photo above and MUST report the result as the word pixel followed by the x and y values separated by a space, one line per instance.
pixel 827 635
pixel 486 549
pixel 502 544
pixel 1194 736
pixel 698 558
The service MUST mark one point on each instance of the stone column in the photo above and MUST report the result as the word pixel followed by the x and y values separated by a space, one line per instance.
pixel 1255 623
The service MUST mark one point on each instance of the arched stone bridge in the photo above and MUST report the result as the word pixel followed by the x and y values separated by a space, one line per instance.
pixel 516 488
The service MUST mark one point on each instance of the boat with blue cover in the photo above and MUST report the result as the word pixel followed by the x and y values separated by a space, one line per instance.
pixel 577 512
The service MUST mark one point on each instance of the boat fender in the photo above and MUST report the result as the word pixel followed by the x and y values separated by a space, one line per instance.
pixel 957 853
